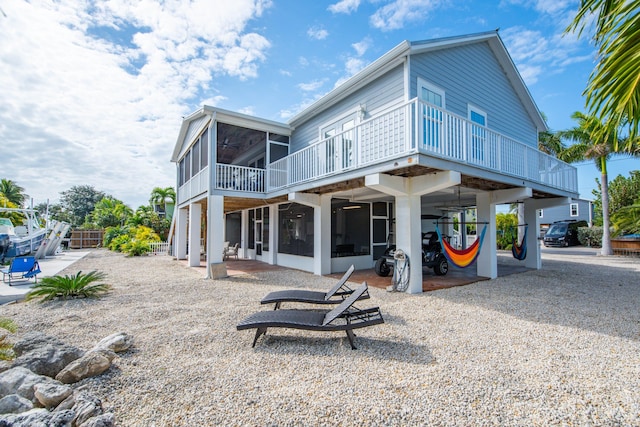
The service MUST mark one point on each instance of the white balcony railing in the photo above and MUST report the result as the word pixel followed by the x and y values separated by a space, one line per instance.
pixel 420 127
pixel 414 127
pixel 239 178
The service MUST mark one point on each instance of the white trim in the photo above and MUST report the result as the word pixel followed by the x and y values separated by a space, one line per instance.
pixel 422 83
pixel 472 108
pixel 571 205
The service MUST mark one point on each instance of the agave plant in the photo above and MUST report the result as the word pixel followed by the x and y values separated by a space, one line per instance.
pixel 69 286
pixel 6 349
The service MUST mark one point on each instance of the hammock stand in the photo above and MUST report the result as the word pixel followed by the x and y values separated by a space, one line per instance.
pixel 519 251
pixel 465 257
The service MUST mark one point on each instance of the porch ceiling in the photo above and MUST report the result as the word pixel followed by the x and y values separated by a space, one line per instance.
pixel 232 204
pixel 469 186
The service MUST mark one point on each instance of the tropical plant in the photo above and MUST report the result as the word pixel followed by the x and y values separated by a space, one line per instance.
pixel 595 141
pixel 162 197
pixel 117 244
pixel 613 90
pixel 626 220
pixel 110 212
pixel 69 286
pixel 507 227
pixel 145 215
pixel 12 192
pixel 110 233
pixel 137 247
pixel 6 348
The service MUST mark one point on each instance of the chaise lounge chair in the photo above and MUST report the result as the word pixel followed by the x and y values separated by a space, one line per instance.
pixel 344 317
pixel 335 295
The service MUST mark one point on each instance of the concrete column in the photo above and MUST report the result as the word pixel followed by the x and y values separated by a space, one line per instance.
pixel 181 233
pixel 322 236
pixel 215 221
pixel 487 262
pixel 409 237
pixel 195 212
pixel 534 258
pixel 244 234
pixel 271 257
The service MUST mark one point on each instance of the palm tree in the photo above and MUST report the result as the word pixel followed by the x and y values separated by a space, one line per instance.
pixel 613 91
pixel 162 197
pixel 595 141
pixel 12 192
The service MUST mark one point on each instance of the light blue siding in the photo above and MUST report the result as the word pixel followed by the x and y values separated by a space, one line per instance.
pixel 385 90
pixel 563 212
pixel 471 74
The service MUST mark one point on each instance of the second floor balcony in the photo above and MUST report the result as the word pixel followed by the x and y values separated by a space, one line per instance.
pixel 412 128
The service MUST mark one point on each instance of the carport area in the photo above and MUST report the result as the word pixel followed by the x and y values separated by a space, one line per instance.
pixel 455 277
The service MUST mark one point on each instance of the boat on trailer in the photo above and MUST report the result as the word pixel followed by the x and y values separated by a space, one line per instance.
pixel 23 239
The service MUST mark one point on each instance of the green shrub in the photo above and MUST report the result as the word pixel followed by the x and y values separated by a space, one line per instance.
pixel 136 247
pixel 119 242
pixel 112 233
pixel 590 236
pixel 6 348
pixel 73 286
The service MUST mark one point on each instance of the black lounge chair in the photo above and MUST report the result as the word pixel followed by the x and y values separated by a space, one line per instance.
pixel 335 295
pixel 345 317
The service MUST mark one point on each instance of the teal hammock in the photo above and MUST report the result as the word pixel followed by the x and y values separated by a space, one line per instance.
pixel 519 251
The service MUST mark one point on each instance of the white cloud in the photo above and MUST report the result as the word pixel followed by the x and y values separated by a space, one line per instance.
pixel 396 14
pixel 344 6
pixel 311 86
pixel 361 47
pixel 535 53
pixel 94 93
pixel 317 33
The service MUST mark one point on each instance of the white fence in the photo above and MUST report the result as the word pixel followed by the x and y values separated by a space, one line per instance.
pixel 159 248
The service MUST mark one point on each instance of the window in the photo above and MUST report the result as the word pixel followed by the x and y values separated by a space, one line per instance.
pixel 477 132
pixel 295 236
pixel 204 149
pixel 573 209
pixel 195 158
pixel 350 228
pixel 433 96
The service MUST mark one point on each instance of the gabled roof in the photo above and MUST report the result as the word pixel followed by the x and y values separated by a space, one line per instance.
pixel 398 55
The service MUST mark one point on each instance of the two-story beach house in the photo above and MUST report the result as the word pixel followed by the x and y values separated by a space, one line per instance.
pixel 414 139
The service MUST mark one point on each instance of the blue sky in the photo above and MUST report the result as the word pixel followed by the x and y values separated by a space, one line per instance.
pixel 93 92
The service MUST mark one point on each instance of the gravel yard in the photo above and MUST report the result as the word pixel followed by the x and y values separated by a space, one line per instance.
pixel 558 346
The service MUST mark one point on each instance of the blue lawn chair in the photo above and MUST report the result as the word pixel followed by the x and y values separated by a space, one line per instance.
pixel 25 267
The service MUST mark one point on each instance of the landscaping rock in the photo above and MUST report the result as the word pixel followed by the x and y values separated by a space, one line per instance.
pixel 117 343
pixel 104 420
pixel 14 404
pixel 91 364
pixel 21 381
pixel 86 407
pixel 44 355
pixel 38 417
pixel 51 394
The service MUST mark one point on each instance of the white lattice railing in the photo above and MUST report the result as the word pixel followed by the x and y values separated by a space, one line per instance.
pixel 417 126
pixel 239 178
pixel 159 248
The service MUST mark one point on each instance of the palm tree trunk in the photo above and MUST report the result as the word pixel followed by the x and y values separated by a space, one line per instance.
pixel 606 235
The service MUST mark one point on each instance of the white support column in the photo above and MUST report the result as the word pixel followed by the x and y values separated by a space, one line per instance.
pixel 215 229
pixel 195 212
pixel 531 207
pixel 244 234
pixel 271 257
pixel 487 262
pixel 181 233
pixel 530 214
pixel 409 237
pixel 322 236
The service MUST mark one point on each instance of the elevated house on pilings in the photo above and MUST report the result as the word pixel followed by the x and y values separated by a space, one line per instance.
pixel 429 129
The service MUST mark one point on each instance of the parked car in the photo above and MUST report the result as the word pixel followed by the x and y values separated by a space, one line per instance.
pixel 563 233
